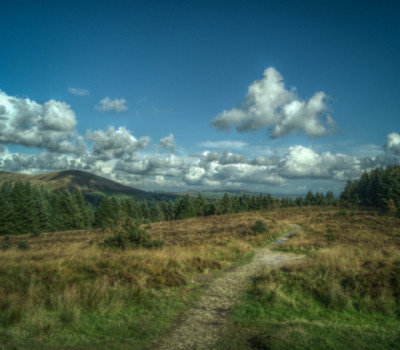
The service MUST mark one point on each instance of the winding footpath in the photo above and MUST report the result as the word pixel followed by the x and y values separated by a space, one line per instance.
pixel 207 321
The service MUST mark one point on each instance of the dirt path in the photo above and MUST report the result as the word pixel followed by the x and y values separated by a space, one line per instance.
pixel 207 321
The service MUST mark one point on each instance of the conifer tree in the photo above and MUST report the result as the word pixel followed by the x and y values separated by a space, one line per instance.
pixel 310 199
pixel 199 205
pixel 7 213
pixel 184 208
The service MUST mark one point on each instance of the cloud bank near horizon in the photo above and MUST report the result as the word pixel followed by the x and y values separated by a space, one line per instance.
pixel 118 154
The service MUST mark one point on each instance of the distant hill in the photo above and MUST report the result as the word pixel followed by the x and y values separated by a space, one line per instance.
pixel 92 186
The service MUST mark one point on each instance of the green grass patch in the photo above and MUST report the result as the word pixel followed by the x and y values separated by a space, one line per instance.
pixel 284 319
pixel 130 325
pixel 319 305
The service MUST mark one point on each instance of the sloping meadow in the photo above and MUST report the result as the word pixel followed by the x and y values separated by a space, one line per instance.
pixel 67 288
pixel 345 294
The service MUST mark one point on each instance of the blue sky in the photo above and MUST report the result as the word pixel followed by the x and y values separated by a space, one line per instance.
pixel 271 96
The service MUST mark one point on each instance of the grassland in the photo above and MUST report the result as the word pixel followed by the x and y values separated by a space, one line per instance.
pixel 345 295
pixel 67 291
pixel 64 289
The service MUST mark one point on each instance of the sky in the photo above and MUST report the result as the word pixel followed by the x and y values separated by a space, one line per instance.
pixel 270 96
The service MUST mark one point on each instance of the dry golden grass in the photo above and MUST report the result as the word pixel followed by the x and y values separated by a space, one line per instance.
pixel 354 258
pixel 66 272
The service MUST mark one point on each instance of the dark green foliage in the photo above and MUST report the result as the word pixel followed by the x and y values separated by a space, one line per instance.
pixel 128 233
pixel 259 227
pixel 330 235
pixel 379 188
pixel 225 204
pixel 199 205
pixel 210 209
pixel 185 208
pixel 28 209
pixel 22 245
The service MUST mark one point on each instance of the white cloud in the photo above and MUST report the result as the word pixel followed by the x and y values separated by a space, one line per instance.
pixel 30 124
pixel 78 91
pixel 269 105
pixel 116 105
pixel 168 142
pixel 303 162
pixel 153 165
pixel 393 144
pixel 248 173
pixel 115 144
pixel 41 162
pixel 225 144
pixel 116 153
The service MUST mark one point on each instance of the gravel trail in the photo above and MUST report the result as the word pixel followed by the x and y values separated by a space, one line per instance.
pixel 203 325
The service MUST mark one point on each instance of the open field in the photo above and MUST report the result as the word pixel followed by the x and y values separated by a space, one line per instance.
pixel 65 290
pixel 346 295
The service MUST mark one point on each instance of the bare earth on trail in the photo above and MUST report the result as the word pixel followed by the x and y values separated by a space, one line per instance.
pixel 204 324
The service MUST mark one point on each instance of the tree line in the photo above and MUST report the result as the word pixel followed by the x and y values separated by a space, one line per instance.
pixel 379 188
pixel 25 208
pixel 30 209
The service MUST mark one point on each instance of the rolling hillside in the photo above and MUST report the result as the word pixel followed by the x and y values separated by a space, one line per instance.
pixel 92 186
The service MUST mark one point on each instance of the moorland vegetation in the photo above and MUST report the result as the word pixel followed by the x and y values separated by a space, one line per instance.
pixel 121 282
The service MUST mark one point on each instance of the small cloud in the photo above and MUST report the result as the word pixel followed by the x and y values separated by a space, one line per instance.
pixel 107 105
pixel 226 144
pixel 78 91
pixel 156 110
pixel 168 142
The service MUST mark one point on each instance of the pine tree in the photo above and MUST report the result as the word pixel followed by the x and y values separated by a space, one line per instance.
pixel 184 208
pixel 329 198
pixel 7 213
pixel 167 210
pixel 225 205
pixel 107 212
pixel 25 216
pixel 199 205
pixel 310 199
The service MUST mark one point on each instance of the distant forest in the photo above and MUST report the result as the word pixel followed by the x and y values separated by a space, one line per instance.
pixel 30 209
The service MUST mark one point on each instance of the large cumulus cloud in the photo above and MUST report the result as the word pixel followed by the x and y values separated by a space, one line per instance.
pixel 115 143
pixel 50 125
pixel 268 104
pixel 303 162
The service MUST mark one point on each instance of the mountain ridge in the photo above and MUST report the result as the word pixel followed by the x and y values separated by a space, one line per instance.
pixel 92 186
pixel 68 179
